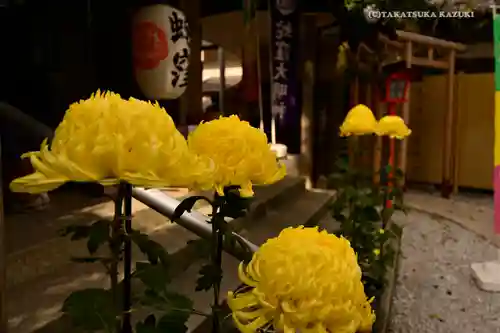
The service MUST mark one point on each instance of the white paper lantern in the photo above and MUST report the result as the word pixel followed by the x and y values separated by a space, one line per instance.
pixel 160 45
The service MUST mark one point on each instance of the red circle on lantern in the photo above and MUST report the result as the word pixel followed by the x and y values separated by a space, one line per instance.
pixel 149 45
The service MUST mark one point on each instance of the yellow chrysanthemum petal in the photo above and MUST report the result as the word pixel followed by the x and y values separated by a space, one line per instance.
pixel 240 152
pixel 359 121
pixel 304 280
pixel 107 139
pixel 392 126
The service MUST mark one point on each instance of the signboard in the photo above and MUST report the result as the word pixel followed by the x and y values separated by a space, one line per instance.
pixel 160 49
pixel 285 104
pixel 496 176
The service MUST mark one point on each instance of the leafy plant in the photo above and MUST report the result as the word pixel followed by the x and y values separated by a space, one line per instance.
pixel 363 210
pixel 97 309
pixel 232 205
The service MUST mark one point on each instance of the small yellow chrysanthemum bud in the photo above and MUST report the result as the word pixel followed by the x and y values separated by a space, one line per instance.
pixel 359 121
pixel 392 126
pixel 376 252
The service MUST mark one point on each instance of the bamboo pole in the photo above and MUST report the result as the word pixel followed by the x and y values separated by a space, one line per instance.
pixel 449 125
pixel 403 152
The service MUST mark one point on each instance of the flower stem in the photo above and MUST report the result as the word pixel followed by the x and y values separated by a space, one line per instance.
pixel 126 189
pixel 216 258
pixel 115 248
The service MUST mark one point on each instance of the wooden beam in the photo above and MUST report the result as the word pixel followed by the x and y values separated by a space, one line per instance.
pixel 377 147
pixel 424 62
pixel 456 136
pixel 449 124
pixel 430 53
pixel 309 45
pixel 390 42
pixel 190 102
pixel 354 93
pixel 403 152
pixel 427 40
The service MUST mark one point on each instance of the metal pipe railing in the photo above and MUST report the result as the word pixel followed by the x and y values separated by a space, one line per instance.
pixel 192 221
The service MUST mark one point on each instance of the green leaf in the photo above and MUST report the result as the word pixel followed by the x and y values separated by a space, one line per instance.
pixel 201 247
pixel 91 309
pixel 336 180
pixel 148 326
pixel 369 214
pixel 155 277
pixel 342 164
pixel 153 250
pixel 209 275
pixel 98 235
pixel 387 214
pixel 173 322
pixel 89 260
pixel 178 301
pixel 187 205
pixel 77 232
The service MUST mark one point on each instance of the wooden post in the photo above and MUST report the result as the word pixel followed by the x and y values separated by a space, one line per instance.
pixel 403 152
pixel 377 148
pixel 3 258
pixel 307 117
pixel 354 102
pixel 449 124
pixel 190 102
pixel 456 137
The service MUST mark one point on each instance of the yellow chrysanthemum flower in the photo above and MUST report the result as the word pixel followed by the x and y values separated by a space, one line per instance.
pixel 107 139
pixel 240 153
pixel 304 280
pixel 392 126
pixel 359 121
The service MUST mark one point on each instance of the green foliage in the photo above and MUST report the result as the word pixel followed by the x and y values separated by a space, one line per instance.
pixel 365 221
pixel 100 309
pixel 92 310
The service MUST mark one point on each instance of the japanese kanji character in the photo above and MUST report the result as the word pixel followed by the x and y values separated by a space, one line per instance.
pixel 282 51
pixel 178 28
pixel 280 91
pixel 278 110
pixel 283 30
pixel 180 61
pixel 280 72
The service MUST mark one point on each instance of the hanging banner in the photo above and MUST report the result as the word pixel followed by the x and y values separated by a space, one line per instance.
pixel 285 107
pixel 250 79
pixel 496 176
pixel 160 49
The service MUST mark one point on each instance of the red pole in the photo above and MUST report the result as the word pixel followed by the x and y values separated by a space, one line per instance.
pixel 392 153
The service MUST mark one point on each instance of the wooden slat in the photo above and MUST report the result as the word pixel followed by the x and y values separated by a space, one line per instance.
pixel 419 61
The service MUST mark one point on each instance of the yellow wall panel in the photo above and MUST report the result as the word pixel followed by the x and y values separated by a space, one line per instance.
pixel 476 130
pixel 474 109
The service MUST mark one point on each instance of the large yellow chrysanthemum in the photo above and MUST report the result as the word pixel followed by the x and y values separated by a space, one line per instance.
pixel 107 139
pixel 392 126
pixel 306 281
pixel 359 121
pixel 240 153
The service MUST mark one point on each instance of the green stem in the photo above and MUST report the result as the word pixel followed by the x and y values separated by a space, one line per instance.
pixel 127 279
pixel 216 258
pixel 115 244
